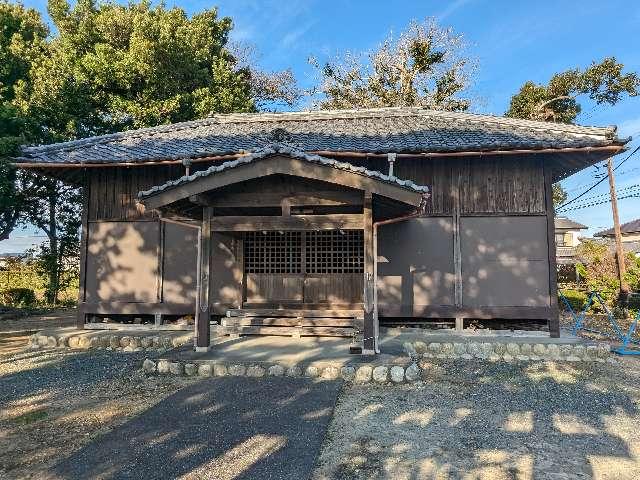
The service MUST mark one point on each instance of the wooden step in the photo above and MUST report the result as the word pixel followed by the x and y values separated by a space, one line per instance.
pixel 295 313
pixel 290 331
pixel 287 322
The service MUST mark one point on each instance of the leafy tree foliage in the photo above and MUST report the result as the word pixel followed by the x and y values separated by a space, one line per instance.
pixel 108 67
pixel 557 101
pixel 559 195
pixel 425 66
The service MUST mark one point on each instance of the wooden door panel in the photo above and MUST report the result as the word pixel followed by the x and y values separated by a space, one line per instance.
pixel 274 288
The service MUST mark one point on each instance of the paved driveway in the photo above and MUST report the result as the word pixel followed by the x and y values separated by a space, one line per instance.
pixel 222 428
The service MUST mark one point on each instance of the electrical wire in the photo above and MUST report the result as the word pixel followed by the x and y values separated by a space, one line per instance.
pixel 598 182
pixel 581 206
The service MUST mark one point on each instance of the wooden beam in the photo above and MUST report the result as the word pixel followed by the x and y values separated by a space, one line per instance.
pixel 280 223
pixel 369 344
pixel 203 314
pixel 274 199
pixel 554 318
pixel 285 166
pixel 451 311
pixel 84 230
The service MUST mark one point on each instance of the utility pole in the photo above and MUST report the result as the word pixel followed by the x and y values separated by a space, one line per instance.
pixel 624 288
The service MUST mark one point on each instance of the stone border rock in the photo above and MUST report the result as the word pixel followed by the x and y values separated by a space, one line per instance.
pixel 121 342
pixel 356 373
pixel 508 352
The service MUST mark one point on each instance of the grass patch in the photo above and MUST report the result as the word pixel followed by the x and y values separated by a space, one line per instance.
pixel 30 417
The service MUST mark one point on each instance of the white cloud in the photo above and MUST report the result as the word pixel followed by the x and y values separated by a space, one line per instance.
pixel 451 9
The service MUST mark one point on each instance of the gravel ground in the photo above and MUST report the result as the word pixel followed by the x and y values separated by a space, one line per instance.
pixel 494 421
pixel 54 402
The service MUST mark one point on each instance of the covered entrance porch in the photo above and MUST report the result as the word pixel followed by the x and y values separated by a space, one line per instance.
pixel 286 242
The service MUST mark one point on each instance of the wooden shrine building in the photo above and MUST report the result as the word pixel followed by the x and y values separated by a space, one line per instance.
pixel 323 223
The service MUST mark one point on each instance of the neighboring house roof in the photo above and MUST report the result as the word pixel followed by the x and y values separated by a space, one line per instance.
pixel 276 149
pixel 564 223
pixel 630 227
pixel 378 130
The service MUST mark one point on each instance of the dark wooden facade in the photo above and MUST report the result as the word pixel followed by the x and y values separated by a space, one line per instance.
pixel 484 248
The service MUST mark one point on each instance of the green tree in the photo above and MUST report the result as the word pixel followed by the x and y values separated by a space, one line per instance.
pixel 108 68
pixel 558 101
pixel 559 195
pixel 425 66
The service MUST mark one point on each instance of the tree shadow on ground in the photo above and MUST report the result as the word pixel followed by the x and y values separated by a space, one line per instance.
pixel 219 428
pixel 494 421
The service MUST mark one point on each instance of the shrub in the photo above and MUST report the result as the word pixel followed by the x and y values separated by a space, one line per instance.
pixel 18 297
pixel 576 299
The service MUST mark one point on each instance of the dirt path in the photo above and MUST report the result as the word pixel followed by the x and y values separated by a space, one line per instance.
pixel 14 333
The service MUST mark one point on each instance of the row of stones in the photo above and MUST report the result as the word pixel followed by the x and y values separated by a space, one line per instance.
pixel 508 351
pixel 358 374
pixel 123 343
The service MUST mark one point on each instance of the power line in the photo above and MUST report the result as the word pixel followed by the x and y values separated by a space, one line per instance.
pixel 619 190
pixel 598 182
pixel 602 202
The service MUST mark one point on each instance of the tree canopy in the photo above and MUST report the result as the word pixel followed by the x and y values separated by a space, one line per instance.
pixel 558 101
pixel 108 67
pixel 425 66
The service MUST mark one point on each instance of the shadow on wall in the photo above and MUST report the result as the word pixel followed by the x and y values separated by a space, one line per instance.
pixel 124 261
pixel 504 262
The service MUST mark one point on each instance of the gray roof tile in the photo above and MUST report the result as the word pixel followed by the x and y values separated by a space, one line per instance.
pixel 381 130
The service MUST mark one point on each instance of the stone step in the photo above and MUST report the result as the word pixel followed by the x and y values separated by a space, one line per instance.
pixel 289 331
pixel 295 313
pixel 287 322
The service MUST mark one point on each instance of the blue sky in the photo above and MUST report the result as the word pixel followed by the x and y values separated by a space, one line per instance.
pixel 513 41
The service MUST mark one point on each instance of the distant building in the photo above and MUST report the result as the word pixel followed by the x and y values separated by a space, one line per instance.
pixel 567 233
pixel 630 234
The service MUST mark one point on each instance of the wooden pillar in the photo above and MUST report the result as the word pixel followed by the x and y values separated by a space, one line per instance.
pixel 84 231
pixel 203 314
pixel 456 179
pixel 554 320
pixel 368 346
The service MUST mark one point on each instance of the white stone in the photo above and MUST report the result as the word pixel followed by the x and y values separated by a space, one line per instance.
pixel 312 371
pixel 163 366
pixel 566 351
pixel 397 374
pixel 134 342
pixel 573 358
pixel 52 342
pixel 176 368
pixel 522 358
pixel 255 371
pixel 347 373
pixel 412 373
pixel 507 358
pixel 114 342
pixel 190 369
pixel 420 347
pixel 486 349
pixel 220 370
pixel 499 348
pixel 364 374
pixel 459 348
pixel 276 371
pixel 149 366
pixel 124 341
pixel 237 370
pixel 591 352
pixel 493 358
pixel 473 348
pixel 435 348
pixel 294 371
pixel 447 349
pixel 381 374
pixel 128 349
pixel 146 342
pixel 579 351
pixel 540 350
pixel 553 351
pixel 42 340
pixel 513 349
pixel 205 370
pixel 526 349
pixel 466 356
pixel 330 373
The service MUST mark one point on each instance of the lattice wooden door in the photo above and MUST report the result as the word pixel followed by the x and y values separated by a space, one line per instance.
pixel 304 267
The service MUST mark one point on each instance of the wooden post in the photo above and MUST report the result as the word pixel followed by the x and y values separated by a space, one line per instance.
pixel 554 320
pixel 624 288
pixel 82 296
pixel 203 315
pixel 368 347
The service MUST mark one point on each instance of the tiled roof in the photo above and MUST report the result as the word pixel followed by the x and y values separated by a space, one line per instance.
pixel 380 130
pixel 275 149
pixel 564 223
pixel 630 227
